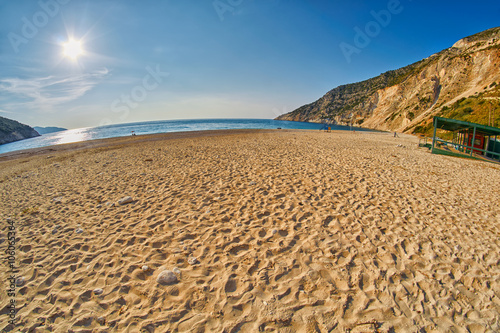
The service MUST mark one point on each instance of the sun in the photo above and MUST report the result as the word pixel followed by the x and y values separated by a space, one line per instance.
pixel 73 49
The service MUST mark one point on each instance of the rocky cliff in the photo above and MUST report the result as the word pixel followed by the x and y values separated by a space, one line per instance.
pixel 11 130
pixel 461 82
pixel 47 130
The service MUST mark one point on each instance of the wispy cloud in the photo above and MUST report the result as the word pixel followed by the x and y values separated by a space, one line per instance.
pixel 3 111
pixel 44 93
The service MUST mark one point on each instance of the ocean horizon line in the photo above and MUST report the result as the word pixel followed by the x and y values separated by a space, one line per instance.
pixel 160 126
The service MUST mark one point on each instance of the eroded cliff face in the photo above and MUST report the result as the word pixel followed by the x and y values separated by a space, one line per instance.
pixel 407 98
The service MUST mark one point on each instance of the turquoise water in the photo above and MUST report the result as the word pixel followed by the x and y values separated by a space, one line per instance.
pixel 152 127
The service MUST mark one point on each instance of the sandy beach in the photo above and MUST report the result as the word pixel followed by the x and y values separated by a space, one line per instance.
pixel 260 230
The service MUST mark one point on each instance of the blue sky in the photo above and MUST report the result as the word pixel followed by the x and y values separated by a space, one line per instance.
pixel 178 59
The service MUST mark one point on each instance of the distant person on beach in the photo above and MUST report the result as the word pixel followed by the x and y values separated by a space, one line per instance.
pixel 396 135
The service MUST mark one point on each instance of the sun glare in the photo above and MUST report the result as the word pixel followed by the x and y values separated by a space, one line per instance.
pixel 72 49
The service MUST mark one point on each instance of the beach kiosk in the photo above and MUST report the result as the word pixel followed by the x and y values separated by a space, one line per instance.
pixel 466 139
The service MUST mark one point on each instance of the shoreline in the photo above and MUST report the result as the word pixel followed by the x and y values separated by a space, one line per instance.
pixel 341 128
pixel 125 140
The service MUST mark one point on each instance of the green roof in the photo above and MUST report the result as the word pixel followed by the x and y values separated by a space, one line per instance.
pixel 458 125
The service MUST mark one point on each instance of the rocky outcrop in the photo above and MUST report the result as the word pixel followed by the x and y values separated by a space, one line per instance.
pixel 11 130
pixel 47 130
pixel 406 99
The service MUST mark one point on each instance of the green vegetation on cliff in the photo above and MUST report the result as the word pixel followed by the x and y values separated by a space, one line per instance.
pixel 483 108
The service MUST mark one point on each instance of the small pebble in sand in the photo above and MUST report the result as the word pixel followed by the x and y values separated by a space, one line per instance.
pixel 192 260
pixel 98 206
pixel 101 320
pixel 125 200
pixel 239 224
pixel 166 277
pixel 145 268
pixel 275 231
pixel 176 271
pixel 253 183
pixel 20 281
pixel 79 230
pixel 98 291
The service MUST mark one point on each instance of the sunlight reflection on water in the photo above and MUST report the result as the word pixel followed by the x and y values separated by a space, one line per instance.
pixel 74 135
pixel 151 127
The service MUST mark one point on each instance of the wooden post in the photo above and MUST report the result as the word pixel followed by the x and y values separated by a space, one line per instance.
pixel 434 136
pixel 473 139
pixel 466 141
pixel 494 144
pixel 462 141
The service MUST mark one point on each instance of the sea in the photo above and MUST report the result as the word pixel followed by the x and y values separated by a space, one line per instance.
pixel 154 127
